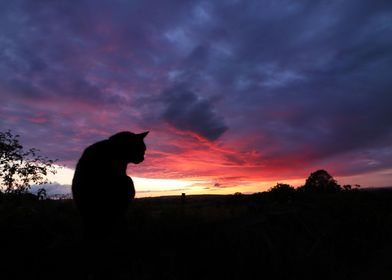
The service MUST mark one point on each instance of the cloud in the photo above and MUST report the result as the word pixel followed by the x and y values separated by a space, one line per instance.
pixel 188 112
pixel 301 83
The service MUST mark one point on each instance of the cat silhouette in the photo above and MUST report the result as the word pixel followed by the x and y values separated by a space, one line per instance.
pixel 102 191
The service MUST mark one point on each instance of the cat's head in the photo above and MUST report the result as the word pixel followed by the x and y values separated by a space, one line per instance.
pixel 129 146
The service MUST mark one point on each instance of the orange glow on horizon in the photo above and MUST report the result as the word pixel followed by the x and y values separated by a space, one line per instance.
pixel 150 187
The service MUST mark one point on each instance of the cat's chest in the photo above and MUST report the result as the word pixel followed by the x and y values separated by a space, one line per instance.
pixel 123 188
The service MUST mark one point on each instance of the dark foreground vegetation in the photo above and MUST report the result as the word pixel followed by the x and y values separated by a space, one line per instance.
pixel 338 235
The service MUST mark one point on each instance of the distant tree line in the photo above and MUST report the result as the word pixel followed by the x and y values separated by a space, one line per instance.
pixel 319 181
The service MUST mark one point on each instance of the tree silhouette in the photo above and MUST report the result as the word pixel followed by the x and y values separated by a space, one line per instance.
pixel 19 168
pixel 41 194
pixel 321 181
pixel 282 192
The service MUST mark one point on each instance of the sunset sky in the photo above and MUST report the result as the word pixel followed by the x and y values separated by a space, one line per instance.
pixel 237 95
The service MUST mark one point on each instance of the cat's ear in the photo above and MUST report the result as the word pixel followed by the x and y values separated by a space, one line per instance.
pixel 144 134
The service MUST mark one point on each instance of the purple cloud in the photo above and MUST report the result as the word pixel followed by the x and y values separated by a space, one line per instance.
pixel 303 84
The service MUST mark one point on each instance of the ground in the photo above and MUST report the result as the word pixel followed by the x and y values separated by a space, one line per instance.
pixel 345 235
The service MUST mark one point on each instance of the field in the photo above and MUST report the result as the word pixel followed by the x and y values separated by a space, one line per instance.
pixel 344 235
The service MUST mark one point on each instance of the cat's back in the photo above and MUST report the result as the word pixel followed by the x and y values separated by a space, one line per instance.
pixel 93 159
pixel 95 154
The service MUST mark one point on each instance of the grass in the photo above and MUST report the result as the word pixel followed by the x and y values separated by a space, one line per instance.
pixel 345 235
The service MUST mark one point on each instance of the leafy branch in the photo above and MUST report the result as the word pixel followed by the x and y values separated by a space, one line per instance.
pixel 20 168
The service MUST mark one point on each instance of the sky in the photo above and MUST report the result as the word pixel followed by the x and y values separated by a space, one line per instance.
pixel 237 95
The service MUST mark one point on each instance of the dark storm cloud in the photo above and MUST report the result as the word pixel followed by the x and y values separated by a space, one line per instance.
pixel 299 81
pixel 186 111
pixel 312 77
